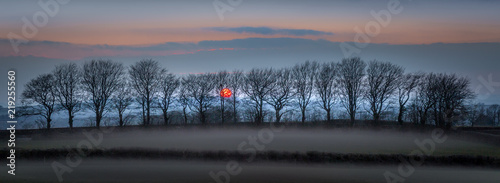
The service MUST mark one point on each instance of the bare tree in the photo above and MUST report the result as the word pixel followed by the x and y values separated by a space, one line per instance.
pixel 494 113
pixel 41 92
pixel 351 74
pixel 258 85
pixel 236 80
pixel 382 82
pixel 406 84
pixel 184 101
pixel 327 87
pixel 426 97
pixel 498 116
pixel 121 100
pixel 221 79
pixel 101 79
pixel 474 113
pixel 282 92
pixel 200 89
pixel 145 77
pixel 445 94
pixel 67 87
pixel 303 76
pixel 168 85
pixel 491 114
pixel 453 91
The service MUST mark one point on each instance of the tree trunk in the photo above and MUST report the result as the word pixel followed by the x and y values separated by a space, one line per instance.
pixel 70 119
pixel 376 118
pixel 185 115
pixel 328 115
pixel 203 118
pixel 353 118
pixel 165 117
pixel 143 114
pixel 234 111
pixel 278 116
pixel 400 115
pixel 148 114
pixel 222 110
pixel 98 120
pixel 48 123
pixel 120 115
pixel 352 113
pixel 260 114
pixel 423 118
pixel 303 116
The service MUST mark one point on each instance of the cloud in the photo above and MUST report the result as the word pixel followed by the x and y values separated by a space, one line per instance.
pixel 272 31
pixel 63 50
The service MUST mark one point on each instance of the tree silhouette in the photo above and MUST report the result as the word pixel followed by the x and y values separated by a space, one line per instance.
pixel 381 83
pixel 168 85
pixel 145 78
pixel 122 99
pixel 351 74
pixel 101 79
pixel 235 82
pixel 405 86
pixel 304 75
pixel 258 85
pixel 67 87
pixel 41 91
pixel 282 92
pixel 200 89
pixel 327 87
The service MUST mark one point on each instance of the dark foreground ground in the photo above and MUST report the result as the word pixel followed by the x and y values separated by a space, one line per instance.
pixel 293 154
pixel 105 170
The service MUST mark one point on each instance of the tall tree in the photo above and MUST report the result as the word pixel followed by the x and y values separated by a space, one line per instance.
pixel 258 85
pixel 326 86
pixel 382 82
pixel 235 82
pixel 491 112
pixel 351 74
pixel 303 76
pixel 426 97
pixel 221 79
pixel 474 113
pixel 121 100
pixel 184 101
pixel 145 78
pixel 101 79
pixel 67 87
pixel 406 84
pixel 200 89
pixel 41 91
pixel 453 92
pixel 282 92
pixel 168 85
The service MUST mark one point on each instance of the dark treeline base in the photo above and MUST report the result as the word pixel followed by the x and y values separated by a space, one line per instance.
pixel 337 123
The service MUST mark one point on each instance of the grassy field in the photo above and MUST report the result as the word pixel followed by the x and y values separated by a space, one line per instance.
pixel 292 139
pixel 366 154
pixel 107 171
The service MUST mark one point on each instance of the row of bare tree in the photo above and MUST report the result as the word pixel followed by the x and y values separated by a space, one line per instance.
pixel 100 85
pixel 481 114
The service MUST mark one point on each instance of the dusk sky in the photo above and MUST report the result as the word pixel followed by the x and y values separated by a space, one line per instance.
pixel 459 36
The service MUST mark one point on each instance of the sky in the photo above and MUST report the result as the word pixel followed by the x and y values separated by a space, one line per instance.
pixel 193 36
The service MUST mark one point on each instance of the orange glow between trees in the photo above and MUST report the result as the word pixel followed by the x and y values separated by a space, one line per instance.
pixel 226 93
